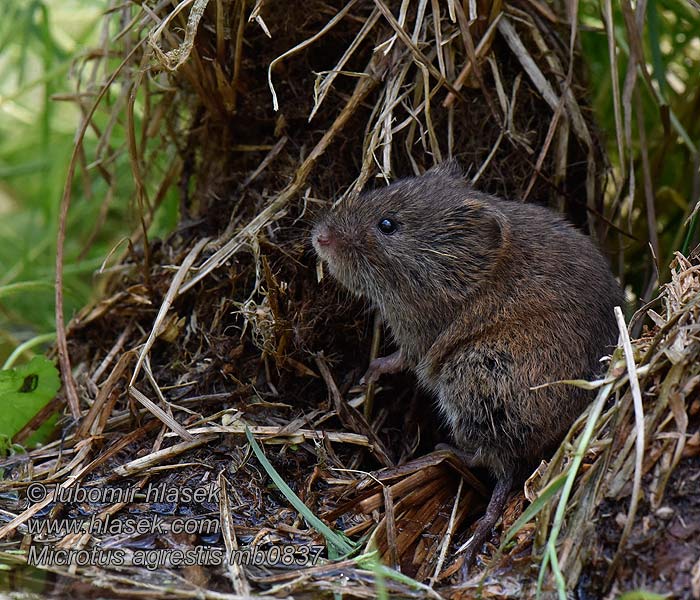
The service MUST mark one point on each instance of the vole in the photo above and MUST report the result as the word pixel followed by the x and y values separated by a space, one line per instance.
pixel 485 299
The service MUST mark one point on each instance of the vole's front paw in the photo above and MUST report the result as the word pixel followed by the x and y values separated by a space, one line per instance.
pixel 371 374
pixel 383 365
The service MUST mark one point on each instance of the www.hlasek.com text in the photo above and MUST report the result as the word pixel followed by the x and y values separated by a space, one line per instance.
pixel 128 525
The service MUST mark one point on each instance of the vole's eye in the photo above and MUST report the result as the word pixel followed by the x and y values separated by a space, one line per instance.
pixel 387 226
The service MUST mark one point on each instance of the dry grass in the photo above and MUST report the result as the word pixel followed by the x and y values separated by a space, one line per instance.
pixel 636 432
pixel 223 326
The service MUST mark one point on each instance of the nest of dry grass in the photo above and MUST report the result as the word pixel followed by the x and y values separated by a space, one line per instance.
pixel 223 326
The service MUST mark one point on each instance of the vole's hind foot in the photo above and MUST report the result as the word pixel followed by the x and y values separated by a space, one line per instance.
pixel 482 533
pixel 468 458
pixel 384 365
pixel 486 524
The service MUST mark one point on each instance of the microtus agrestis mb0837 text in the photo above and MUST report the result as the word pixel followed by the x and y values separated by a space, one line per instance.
pixel 485 299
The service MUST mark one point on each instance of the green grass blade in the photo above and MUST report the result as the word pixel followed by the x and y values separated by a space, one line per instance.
pixel 28 345
pixel 558 576
pixel 371 562
pixel 689 234
pixel 534 509
pixel 585 439
pixel 655 46
pixel 23 286
pixel 336 541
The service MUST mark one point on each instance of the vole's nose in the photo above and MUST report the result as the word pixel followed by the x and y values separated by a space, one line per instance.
pixel 323 236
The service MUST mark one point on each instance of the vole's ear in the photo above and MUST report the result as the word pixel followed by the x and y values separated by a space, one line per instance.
pixel 491 224
pixel 447 168
pixel 498 229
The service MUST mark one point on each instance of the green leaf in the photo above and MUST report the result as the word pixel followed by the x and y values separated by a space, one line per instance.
pixel 338 544
pixel 24 391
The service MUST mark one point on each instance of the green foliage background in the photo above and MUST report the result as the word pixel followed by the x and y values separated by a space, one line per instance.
pixel 38 42
pixel 671 46
pixel 41 44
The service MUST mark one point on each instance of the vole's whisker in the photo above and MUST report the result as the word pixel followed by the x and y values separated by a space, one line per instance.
pixel 432 250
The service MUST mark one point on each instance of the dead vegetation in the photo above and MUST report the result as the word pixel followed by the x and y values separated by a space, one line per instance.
pixel 223 326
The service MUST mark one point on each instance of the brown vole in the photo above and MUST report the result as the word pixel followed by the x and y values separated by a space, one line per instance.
pixel 485 299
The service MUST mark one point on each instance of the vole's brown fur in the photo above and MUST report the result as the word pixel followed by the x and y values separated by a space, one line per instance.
pixel 485 298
